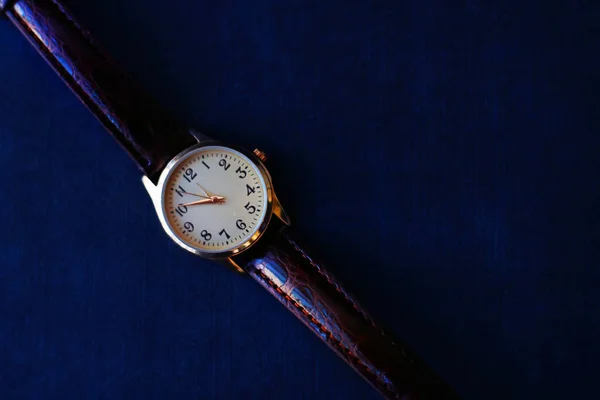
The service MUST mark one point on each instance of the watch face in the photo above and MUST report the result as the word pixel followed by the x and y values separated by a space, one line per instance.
pixel 215 200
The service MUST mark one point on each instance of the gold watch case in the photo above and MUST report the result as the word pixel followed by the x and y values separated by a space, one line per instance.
pixel 157 194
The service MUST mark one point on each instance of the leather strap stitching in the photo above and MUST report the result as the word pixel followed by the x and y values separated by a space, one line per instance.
pixel 83 32
pixel 329 279
pixel 331 339
pixel 337 287
pixel 62 10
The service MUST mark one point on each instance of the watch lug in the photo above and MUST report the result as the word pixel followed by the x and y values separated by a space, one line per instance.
pixel 279 211
pixel 201 137
pixel 229 263
pixel 152 190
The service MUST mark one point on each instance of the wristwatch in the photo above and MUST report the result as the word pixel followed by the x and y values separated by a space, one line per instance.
pixel 218 201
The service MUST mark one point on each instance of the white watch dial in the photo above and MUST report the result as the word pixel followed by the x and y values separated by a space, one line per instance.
pixel 215 199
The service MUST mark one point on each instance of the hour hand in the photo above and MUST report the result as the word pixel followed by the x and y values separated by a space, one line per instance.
pixel 195 203
pixel 211 200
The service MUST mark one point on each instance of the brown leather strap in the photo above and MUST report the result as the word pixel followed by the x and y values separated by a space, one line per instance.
pixel 313 295
pixel 149 135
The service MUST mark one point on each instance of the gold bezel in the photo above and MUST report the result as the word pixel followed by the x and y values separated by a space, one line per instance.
pixel 162 215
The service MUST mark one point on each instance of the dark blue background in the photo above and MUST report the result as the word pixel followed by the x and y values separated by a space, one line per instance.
pixel 441 158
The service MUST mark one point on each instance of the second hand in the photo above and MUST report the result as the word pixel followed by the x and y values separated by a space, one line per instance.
pixel 205 191
pixel 197 195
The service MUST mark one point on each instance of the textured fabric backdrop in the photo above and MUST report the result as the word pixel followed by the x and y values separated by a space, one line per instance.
pixel 440 157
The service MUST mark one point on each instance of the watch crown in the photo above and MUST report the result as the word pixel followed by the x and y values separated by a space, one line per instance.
pixel 262 156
